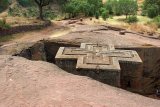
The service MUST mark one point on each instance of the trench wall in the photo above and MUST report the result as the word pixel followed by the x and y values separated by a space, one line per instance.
pixel 147 75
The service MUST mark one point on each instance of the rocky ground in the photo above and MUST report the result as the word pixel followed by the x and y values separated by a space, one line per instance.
pixel 25 83
pixel 77 31
pixel 104 34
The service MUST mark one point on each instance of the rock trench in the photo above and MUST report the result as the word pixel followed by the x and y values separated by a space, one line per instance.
pixel 148 74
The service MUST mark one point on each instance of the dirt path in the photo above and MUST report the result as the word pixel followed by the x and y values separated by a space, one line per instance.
pixel 57 29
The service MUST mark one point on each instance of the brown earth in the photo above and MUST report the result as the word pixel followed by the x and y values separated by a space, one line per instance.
pixel 25 83
pixel 82 32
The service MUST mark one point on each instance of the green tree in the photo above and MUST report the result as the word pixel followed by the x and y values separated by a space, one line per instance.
pixel 109 6
pixel 128 7
pixel 122 7
pixel 3 4
pixel 41 4
pixel 86 7
pixel 105 14
pixel 116 7
pixel 97 15
pixel 152 11
pixel 95 5
pixel 151 8
pixel 25 3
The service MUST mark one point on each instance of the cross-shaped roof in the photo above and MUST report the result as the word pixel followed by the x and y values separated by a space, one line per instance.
pixel 98 56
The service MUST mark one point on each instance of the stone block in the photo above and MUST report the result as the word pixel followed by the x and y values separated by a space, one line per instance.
pixel 101 62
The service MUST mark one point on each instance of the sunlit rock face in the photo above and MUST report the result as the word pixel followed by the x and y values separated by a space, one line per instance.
pixel 26 83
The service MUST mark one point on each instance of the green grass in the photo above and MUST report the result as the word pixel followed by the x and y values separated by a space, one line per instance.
pixel 143 19
pixel 6 38
pixel 120 20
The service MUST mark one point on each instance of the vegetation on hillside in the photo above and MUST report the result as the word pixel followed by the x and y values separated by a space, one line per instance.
pixel 151 8
pixel 4 4
pixel 129 9
pixel 3 24
pixel 82 7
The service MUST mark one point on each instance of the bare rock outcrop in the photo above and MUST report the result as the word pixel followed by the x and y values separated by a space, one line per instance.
pixel 25 83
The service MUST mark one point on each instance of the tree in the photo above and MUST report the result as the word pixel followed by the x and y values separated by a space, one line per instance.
pixel 122 7
pixel 116 7
pixel 85 7
pixel 3 4
pixel 25 3
pixel 109 6
pixel 128 7
pixel 105 14
pixel 151 8
pixel 95 5
pixel 41 4
pixel 152 11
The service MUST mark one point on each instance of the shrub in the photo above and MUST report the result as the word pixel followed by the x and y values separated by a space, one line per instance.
pixel 85 7
pixel 132 19
pixel 105 14
pixel 152 11
pixel 122 7
pixel 4 25
pixel 30 12
pixel 128 7
pixel 151 8
pixel 48 14
pixel 157 21
pixel 114 7
pixel 25 3
pixel 144 13
pixel 102 9
pixel 3 4
pixel 97 15
pixel 109 6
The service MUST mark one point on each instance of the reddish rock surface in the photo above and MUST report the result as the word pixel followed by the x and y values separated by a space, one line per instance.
pixel 25 83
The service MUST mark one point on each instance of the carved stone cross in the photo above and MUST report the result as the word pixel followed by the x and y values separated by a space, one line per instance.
pixel 93 56
pixel 100 62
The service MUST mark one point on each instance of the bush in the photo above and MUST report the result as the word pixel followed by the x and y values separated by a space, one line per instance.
pixel 151 8
pixel 102 9
pixel 152 11
pixel 3 5
pixel 109 6
pixel 85 7
pixel 105 14
pixel 48 14
pixel 97 15
pixel 144 13
pixel 157 21
pixel 4 25
pixel 25 3
pixel 122 7
pixel 132 19
pixel 30 12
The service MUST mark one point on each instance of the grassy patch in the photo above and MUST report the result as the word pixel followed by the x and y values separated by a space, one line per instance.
pixel 142 25
pixel 4 25
pixel 6 38
pixel 121 20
